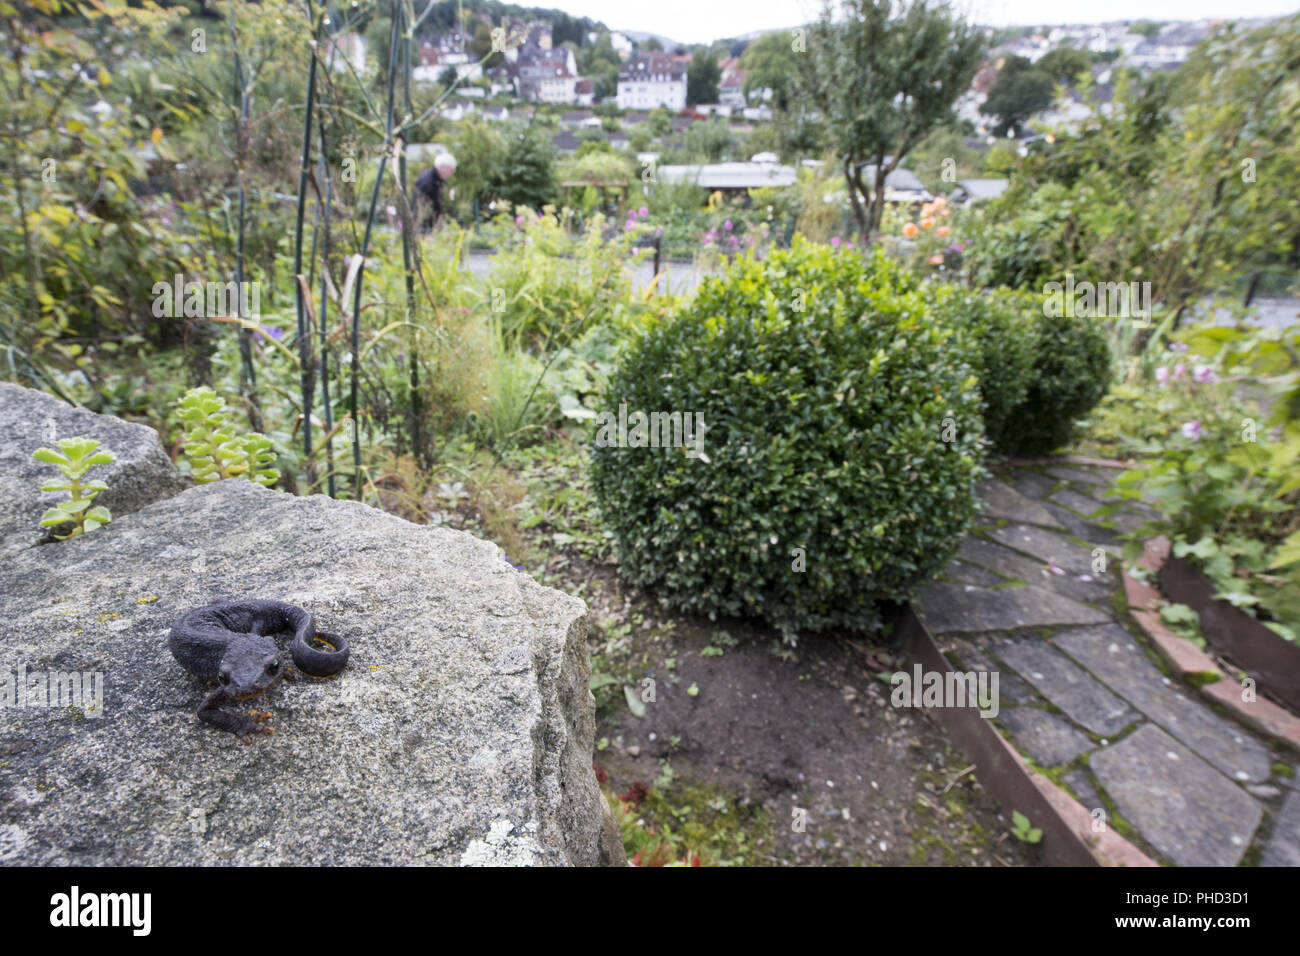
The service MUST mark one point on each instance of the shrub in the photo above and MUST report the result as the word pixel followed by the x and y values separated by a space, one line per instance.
pixel 1072 371
pixel 1001 347
pixel 841 450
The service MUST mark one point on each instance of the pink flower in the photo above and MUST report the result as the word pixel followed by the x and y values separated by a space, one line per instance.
pixel 659 230
pixel 733 240
pixel 1177 347
pixel 643 212
pixel 1054 567
pixel 519 220
pixel 1203 374
pixel 835 240
pixel 1162 376
pixel 1192 430
pixel 1179 371
pixel 727 225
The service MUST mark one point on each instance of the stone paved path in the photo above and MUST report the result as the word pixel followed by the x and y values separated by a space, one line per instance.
pixel 1035 595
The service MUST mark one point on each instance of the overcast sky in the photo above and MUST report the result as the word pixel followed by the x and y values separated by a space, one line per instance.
pixel 696 21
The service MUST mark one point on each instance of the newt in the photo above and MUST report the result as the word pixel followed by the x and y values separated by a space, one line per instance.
pixel 230 642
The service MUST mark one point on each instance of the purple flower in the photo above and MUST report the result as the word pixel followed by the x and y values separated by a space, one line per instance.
pixel 519 220
pixel 835 240
pixel 957 247
pixel 1203 374
pixel 733 240
pixel 659 230
pixel 1179 371
pixel 1192 430
pixel 643 212
pixel 1162 376
pixel 630 224
pixel 727 225
pixel 1177 347
pixel 270 331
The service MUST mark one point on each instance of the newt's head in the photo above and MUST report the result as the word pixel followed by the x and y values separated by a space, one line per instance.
pixel 250 667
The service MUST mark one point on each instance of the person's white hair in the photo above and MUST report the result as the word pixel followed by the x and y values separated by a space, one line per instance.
pixel 444 161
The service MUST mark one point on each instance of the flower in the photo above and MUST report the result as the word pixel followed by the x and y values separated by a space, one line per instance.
pixel 910 230
pixel 1203 374
pixel 936 259
pixel 1054 567
pixel 957 247
pixel 630 224
pixel 659 230
pixel 1192 430
pixel 727 225
pixel 1179 371
pixel 270 331
pixel 1177 346
pixel 733 240
pixel 835 240
pixel 392 210
pixel 643 212
pixel 939 202
pixel 519 220
pixel 1162 376
pixel 927 210
pixel 927 223
pixel 943 232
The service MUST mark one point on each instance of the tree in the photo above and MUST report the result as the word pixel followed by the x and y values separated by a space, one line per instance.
pixel 1018 93
pixel 710 140
pixel 478 150
pixel 770 63
pixel 878 78
pixel 702 79
pixel 660 121
pixel 1145 28
pixel 447 77
pixel 526 176
pixel 1064 64
pixel 654 45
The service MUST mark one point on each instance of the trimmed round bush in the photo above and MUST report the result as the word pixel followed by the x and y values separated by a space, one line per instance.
pixel 840 452
pixel 1000 345
pixel 1072 372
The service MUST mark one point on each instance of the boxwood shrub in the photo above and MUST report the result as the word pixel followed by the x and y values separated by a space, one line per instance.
pixel 1072 372
pixel 1038 375
pixel 843 439
pixel 1001 346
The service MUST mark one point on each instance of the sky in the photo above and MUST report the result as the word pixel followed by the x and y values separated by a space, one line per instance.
pixel 698 21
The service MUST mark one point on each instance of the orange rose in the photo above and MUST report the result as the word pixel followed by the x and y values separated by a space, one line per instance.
pixel 939 202
pixel 927 223
pixel 927 210
pixel 910 230
pixel 936 259
pixel 943 231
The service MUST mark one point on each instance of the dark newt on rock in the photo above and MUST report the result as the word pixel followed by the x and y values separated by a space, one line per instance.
pixel 228 642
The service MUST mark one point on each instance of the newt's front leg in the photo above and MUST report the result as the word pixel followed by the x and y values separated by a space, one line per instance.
pixel 237 724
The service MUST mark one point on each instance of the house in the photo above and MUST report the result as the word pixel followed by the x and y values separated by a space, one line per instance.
pixel 650 80
pixel 636 117
pixel 565 142
pixel 975 190
pixel 731 88
pixel 901 185
pixel 729 177
pixel 547 81
pixel 575 117
pixel 617 140
pixel 584 92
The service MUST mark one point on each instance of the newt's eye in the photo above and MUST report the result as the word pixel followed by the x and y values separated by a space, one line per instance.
pixel 224 677
pixel 272 667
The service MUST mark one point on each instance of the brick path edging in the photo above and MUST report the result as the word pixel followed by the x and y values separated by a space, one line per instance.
pixel 1189 661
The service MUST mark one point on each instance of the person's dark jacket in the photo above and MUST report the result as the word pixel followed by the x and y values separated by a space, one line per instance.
pixel 430 186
